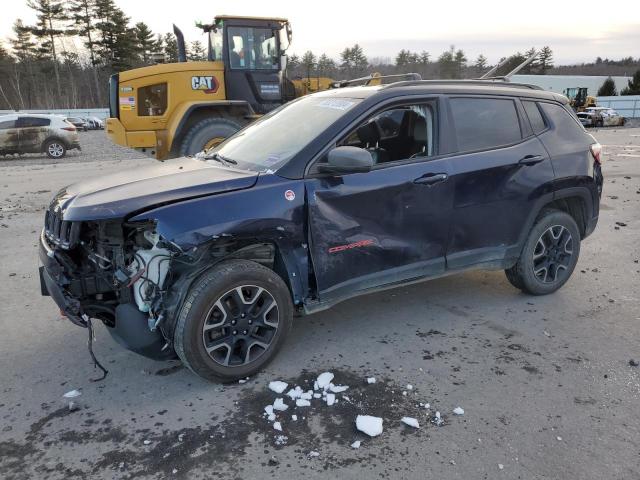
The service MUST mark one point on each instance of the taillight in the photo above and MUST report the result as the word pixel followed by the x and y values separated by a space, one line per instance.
pixel 69 129
pixel 596 151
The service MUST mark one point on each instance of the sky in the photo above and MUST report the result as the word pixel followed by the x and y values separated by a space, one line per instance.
pixel 576 31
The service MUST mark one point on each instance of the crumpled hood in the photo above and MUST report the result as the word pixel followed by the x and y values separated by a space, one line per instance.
pixel 120 194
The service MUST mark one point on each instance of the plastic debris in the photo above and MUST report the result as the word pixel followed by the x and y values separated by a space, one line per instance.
pixel 458 411
pixel 147 442
pixel 313 453
pixel 277 386
pixel 72 394
pixel 356 444
pixel 412 422
pixel 338 388
pixel 324 379
pixel 409 387
pixel 500 466
pixel 371 380
pixel 372 426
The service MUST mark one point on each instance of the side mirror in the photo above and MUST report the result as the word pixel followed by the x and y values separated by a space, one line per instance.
pixel 283 62
pixel 347 160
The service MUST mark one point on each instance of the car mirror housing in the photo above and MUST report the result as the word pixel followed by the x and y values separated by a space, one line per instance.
pixel 347 160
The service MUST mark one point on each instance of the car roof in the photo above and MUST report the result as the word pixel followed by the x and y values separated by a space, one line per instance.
pixel 467 87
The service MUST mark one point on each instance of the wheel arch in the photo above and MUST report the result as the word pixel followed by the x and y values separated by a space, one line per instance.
pixel 53 137
pixel 182 121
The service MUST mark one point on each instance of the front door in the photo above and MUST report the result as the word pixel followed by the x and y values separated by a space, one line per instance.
pixel 33 132
pixel 387 225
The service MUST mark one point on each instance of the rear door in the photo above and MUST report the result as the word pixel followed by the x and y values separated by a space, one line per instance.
pixel 33 132
pixel 9 136
pixel 499 172
pixel 384 226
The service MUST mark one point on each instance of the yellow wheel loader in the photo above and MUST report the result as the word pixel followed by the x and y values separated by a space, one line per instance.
pixel 579 99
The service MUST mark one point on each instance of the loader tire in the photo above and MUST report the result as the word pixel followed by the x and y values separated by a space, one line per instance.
pixel 207 133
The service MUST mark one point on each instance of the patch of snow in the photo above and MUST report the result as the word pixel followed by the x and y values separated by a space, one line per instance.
pixel 72 394
pixel 559 439
pixel 307 395
pixel 372 426
pixel 371 380
pixel 271 417
pixel 338 388
pixel 243 380
pixel 412 422
pixel 294 418
pixel 147 442
pixel 324 379
pixel 356 444
pixel 174 471
pixel 181 437
pixel 458 411
pixel 281 439
pixel 277 386
pixel 317 395
pixel 331 398
pixel 280 405
pixel 500 466
pixel 301 402
pixel 294 393
pixel 409 387
pixel 277 426
pixel 315 385
pixel 404 392
pixel 313 453
pixel 427 406
pixel 269 409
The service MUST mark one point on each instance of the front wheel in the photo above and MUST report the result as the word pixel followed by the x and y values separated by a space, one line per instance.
pixel 234 320
pixel 206 134
pixel 55 149
pixel 549 255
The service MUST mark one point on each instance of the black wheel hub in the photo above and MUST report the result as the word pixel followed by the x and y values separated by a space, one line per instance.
pixel 552 254
pixel 240 326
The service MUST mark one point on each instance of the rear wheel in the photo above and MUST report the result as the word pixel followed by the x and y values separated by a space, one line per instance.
pixel 206 134
pixel 233 321
pixel 55 149
pixel 549 255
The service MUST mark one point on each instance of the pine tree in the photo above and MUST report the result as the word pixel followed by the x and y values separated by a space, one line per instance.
pixel 534 66
pixel 197 51
pixel 359 59
pixel 47 29
pixel 545 60
pixel 22 45
pixel 308 63
pixel 447 64
pixel 145 42
pixel 633 86
pixel 481 64
pixel 460 60
pixel 346 61
pixel 608 88
pixel 82 15
pixel 117 43
pixel 424 58
pixel 326 65
pixel 170 47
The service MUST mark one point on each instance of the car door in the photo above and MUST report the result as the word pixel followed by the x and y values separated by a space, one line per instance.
pixel 9 136
pixel 499 172
pixel 33 132
pixel 380 227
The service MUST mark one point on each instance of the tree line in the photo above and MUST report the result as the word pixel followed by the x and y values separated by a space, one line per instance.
pixel 42 68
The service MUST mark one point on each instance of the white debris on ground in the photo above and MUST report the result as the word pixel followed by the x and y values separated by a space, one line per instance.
pixel 281 439
pixel 72 394
pixel 356 444
pixel 500 466
pixel 338 388
pixel 371 380
pixel 324 379
pixel 277 426
pixel 294 418
pixel 409 387
pixel 372 426
pixel 277 386
pixel 437 420
pixel 458 411
pixel 313 453
pixel 331 398
pixel 147 442
pixel 243 380
pixel 174 471
pixel 412 422
pixel 301 402
pixel 280 405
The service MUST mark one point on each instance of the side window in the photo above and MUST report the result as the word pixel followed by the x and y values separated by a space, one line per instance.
pixel 7 124
pixel 565 124
pixel 483 123
pixel 152 100
pixel 535 117
pixel 400 133
pixel 24 122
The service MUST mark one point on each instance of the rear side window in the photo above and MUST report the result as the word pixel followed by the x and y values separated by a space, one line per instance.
pixel 24 122
pixel 483 123
pixel 6 124
pixel 152 100
pixel 565 124
pixel 535 117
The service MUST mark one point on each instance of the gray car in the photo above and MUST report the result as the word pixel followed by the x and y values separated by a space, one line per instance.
pixel 32 133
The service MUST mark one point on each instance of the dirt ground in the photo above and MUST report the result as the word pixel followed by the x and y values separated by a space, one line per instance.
pixel 545 382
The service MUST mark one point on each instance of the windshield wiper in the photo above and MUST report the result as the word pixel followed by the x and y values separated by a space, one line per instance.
pixel 219 158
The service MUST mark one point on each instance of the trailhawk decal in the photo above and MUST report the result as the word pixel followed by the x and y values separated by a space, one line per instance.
pixel 207 84
pixel 341 248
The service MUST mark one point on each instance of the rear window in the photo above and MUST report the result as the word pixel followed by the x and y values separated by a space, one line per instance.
pixel 565 124
pixel 483 123
pixel 535 117
pixel 24 122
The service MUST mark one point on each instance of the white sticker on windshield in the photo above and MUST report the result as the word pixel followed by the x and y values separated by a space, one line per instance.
pixel 336 103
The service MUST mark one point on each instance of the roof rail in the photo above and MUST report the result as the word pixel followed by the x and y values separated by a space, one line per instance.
pixel 375 76
pixel 493 81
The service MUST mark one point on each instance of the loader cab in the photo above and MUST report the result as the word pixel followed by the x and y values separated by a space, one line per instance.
pixel 252 51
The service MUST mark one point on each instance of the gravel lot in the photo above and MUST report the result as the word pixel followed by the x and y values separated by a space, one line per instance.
pixel 545 382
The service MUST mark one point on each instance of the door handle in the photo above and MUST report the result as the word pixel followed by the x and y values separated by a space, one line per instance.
pixel 531 159
pixel 431 179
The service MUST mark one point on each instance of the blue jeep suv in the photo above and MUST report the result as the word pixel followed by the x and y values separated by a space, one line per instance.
pixel 333 195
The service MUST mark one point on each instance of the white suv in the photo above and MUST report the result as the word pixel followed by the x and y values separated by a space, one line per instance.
pixel 33 133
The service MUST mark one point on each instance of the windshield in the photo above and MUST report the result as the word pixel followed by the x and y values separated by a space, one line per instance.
pixel 253 48
pixel 272 141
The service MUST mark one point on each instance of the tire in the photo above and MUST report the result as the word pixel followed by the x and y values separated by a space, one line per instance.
pixel 549 255
pixel 210 317
pixel 55 149
pixel 204 131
